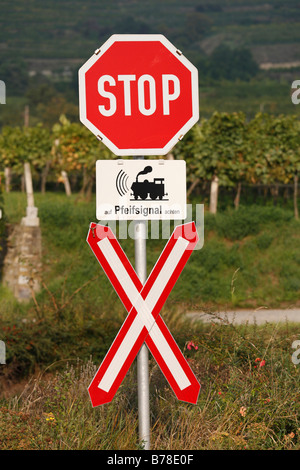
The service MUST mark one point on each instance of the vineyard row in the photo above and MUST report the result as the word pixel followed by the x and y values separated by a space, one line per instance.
pixel 226 150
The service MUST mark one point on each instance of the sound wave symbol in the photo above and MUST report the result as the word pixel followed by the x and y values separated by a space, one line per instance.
pixel 121 183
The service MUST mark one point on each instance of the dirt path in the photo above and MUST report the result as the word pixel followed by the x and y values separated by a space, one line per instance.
pixel 259 316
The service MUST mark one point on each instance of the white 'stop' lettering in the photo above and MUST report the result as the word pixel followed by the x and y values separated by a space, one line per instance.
pixel 146 89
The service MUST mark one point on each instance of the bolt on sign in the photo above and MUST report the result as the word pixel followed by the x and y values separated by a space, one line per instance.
pixel 138 94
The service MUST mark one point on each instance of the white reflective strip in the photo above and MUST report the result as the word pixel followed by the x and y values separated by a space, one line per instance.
pixel 169 357
pixel 121 354
pixel 155 333
pixel 119 270
pixel 166 271
pixel 144 316
pixel 136 326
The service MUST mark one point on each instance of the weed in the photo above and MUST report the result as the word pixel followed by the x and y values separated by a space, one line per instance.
pixel 240 404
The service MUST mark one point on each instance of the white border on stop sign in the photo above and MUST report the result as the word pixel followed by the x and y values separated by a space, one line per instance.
pixel 179 56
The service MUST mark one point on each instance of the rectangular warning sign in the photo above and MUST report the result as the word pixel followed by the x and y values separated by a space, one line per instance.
pixel 140 189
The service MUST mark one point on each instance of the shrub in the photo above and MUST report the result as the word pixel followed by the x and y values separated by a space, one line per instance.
pixel 2 229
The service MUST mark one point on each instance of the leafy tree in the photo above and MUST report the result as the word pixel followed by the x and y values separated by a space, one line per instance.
pixel 28 144
pixel 130 25
pixel 231 64
pixel 76 152
pixel 49 112
pixel 215 150
pixel 197 25
pixel 225 147
pixel 40 94
pixel 2 223
pixel 274 151
pixel 12 155
pixel 91 28
pixel 14 72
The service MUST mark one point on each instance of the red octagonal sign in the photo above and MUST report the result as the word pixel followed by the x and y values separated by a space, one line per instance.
pixel 138 94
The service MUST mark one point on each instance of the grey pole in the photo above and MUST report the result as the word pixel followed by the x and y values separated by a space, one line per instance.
pixel 143 355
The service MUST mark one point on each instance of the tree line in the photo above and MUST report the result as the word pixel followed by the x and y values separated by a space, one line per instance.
pixel 224 150
pixel 228 150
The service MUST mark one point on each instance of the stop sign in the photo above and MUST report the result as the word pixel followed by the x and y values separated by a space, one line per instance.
pixel 138 94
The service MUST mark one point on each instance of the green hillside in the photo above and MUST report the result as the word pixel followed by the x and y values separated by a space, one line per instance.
pixel 231 41
pixel 72 29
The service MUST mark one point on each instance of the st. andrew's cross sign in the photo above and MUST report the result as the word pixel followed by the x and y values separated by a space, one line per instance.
pixel 138 94
pixel 143 322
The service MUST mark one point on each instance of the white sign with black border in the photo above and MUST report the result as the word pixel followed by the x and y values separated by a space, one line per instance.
pixel 140 189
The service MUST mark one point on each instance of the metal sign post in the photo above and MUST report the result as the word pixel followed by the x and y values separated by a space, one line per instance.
pixel 143 355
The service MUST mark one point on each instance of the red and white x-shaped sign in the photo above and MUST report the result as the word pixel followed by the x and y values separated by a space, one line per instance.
pixel 143 322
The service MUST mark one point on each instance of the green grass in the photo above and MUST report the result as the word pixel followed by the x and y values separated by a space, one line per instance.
pixel 248 399
pixel 56 343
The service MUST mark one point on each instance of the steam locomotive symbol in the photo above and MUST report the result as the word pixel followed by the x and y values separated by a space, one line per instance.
pixel 141 189
pixel 154 189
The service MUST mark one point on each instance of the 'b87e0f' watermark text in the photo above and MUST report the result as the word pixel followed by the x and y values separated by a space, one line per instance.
pixel 295 92
pixel 2 92
pixel 2 353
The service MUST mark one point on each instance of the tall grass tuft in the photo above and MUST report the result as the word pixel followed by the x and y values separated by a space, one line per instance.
pixel 248 398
